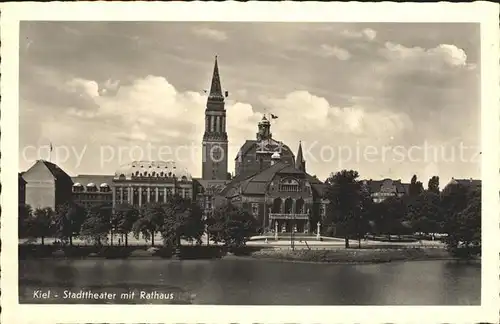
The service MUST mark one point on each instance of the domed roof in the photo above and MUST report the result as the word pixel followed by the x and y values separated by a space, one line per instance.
pixel 78 184
pixel 264 120
pixel 151 169
pixel 104 185
pixel 91 184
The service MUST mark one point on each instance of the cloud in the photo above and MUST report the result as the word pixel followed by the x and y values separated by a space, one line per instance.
pixel 211 33
pixel 339 53
pixel 367 33
pixel 439 56
pixel 319 116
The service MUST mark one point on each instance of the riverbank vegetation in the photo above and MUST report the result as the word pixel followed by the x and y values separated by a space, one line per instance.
pixel 454 213
pixel 177 219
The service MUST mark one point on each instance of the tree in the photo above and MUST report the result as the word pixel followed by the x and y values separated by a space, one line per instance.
pixel 425 213
pixel 231 225
pixel 40 225
pixel 346 198
pixel 454 199
pixel 123 219
pixel 433 185
pixel 464 229
pixel 183 219
pixel 68 220
pixel 393 211
pixel 416 187
pixel 25 214
pixel 97 224
pixel 150 221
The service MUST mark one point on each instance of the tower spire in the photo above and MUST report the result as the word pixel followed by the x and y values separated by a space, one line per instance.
pixel 215 88
pixel 300 163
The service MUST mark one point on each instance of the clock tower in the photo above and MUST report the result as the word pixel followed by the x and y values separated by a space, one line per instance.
pixel 215 143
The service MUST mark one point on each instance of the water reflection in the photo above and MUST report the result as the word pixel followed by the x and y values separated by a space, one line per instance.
pixel 256 282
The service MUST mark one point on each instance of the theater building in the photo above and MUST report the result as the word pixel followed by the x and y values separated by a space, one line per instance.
pixel 142 182
pixel 92 190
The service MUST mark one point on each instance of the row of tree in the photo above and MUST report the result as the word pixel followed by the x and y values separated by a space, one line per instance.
pixel 176 219
pixel 454 211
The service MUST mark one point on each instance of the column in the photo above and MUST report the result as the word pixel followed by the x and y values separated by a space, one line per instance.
pixel 121 195
pixel 165 194
pixel 217 124
pixel 282 209
pixel 140 196
pixel 223 124
pixel 113 189
pixel 294 205
pixel 207 123
pixel 156 194
pixel 130 195
pixel 212 123
pixel 148 195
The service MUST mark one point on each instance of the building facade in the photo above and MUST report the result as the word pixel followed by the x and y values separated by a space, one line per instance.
pixel 142 182
pixel 468 183
pixel 92 190
pixel 47 185
pixel 382 189
pixel 21 189
pixel 282 197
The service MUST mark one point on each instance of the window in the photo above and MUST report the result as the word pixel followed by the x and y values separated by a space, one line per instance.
pixel 255 209
pixel 289 185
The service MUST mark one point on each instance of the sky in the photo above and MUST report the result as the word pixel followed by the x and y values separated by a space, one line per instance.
pixel 387 100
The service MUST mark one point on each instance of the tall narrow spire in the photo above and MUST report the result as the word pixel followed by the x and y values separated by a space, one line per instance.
pixel 215 88
pixel 300 163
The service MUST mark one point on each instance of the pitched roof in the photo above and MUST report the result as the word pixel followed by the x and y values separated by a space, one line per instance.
pixel 257 183
pixel 467 182
pixel 57 172
pixel 375 186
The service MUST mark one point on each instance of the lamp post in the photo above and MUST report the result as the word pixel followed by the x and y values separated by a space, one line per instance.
pixel 276 229
pixel 292 240
pixel 318 230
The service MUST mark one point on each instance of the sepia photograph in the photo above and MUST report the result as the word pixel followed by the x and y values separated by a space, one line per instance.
pixel 260 163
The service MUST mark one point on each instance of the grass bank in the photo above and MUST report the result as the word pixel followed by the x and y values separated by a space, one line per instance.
pixel 353 255
pixel 126 252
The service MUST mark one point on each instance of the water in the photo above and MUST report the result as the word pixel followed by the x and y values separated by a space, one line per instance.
pixel 254 282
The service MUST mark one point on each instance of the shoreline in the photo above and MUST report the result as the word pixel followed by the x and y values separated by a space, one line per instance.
pixel 323 256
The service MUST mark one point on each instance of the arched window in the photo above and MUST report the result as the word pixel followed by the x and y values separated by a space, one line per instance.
pixel 288 206
pixel 299 206
pixel 276 206
pixel 289 185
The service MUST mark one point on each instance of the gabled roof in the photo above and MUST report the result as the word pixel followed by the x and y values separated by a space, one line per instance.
pixel 257 183
pixel 466 182
pixel 55 170
pixel 375 186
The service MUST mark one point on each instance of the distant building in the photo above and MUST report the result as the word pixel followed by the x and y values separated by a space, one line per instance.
pixel 21 189
pixel 92 190
pixel 382 189
pixel 47 185
pixel 142 182
pixel 469 183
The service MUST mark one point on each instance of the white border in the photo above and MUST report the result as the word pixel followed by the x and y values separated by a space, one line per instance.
pixel 483 12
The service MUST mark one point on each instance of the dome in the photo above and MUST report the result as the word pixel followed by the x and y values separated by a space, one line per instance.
pixel 104 185
pixel 275 156
pixel 151 169
pixel 91 184
pixel 78 184
pixel 264 120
